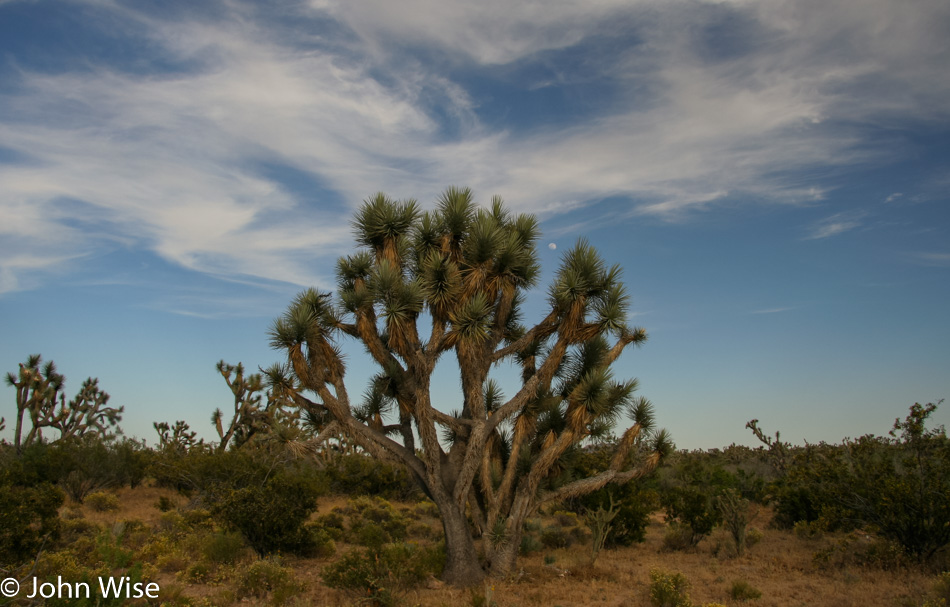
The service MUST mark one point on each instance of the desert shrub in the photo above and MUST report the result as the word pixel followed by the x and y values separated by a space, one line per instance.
pixel 529 544
pixel 199 571
pixel 202 470
pixel 744 591
pixel 861 549
pixel 322 541
pixel 566 519
pixel 174 561
pixel 82 465
pixel 271 517
pixel 72 529
pixel 360 474
pixel 155 547
pixel 266 576
pixel 556 537
pixel 65 563
pixel 332 520
pixel 753 536
pixel 198 519
pixel 172 522
pixel 50 566
pixel 677 537
pixel 694 509
pixel 422 531
pixel 941 587
pixel 132 460
pixel 582 535
pixel 633 501
pixel 669 589
pixel 898 486
pixel 222 548
pixel 110 550
pixel 379 575
pixel 29 515
pixel 164 504
pixel 333 524
pixel 426 508
pixel 101 501
pixel 374 522
pixel 809 530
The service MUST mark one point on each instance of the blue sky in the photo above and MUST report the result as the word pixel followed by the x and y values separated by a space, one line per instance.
pixel 773 175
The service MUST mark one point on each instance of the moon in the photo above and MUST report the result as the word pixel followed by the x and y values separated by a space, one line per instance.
pixel 552 246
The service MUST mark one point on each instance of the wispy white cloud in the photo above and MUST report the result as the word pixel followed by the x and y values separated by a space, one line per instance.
pixel 838 223
pixel 772 310
pixel 931 258
pixel 171 161
pixel 893 197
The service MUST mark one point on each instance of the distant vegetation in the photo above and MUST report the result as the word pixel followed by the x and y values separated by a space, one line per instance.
pixel 878 502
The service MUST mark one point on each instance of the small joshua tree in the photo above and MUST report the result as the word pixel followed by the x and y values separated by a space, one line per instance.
pixel 39 393
pixel 178 438
pixel 600 522
pixel 249 416
pixel 778 450
pixel 736 513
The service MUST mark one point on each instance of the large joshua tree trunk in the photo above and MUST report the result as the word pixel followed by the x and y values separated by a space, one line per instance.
pixel 462 566
pixel 493 462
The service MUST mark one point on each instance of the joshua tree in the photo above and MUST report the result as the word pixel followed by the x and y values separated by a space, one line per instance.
pixel 179 438
pixel 778 450
pixel 459 274
pixel 39 393
pixel 249 417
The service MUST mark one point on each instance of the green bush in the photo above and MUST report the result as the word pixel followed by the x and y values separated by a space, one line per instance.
pixel 753 536
pixel 669 589
pixel 809 530
pixel 164 504
pixel 201 470
pixel 566 519
pixel 378 575
pixel 898 486
pixel 556 537
pixel 29 515
pixel 86 464
pixel 861 549
pixel 744 591
pixel 101 501
pixel 677 537
pixel 633 501
pixel 941 587
pixel 266 576
pixel 374 522
pixel 529 544
pixel 223 548
pixel 271 517
pixel 323 541
pixel 694 509
pixel 364 475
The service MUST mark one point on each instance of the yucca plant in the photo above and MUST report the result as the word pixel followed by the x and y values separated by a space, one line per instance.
pixel 452 280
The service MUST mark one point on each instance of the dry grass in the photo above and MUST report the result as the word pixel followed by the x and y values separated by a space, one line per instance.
pixel 780 566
